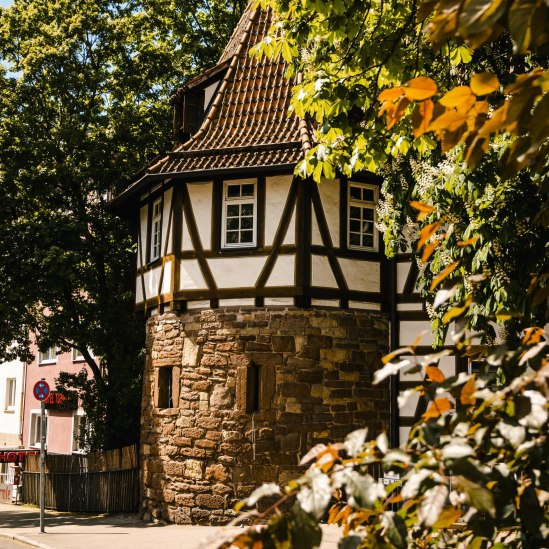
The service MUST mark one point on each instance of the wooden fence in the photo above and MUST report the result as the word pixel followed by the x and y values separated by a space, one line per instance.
pixel 101 482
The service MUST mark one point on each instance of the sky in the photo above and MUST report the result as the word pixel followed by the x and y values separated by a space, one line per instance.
pixel 5 3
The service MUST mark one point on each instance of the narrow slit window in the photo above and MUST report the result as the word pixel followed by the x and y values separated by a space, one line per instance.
pixel 156 229
pixel 165 388
pixel 361 217
pixel 253 388
pixel 239 214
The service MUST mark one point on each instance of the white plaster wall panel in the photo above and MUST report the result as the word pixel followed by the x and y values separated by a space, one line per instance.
pixel 402 274
pixel 201 200
pixel 290 239
pixel 329 194
pixel 404 433
pixel 325 302
pixel 316 238
pixel 279 301
pixel 361 275
pixel 276 194
pixel 152 280
pixel 198 304
pixel 209 93
pixel 410 329
pixel 409 408
pixel 321 272
pixel 167 278
pixel 186 242
pixel 243 301
pixel 364 305
pixel 283 273
pixel 232 272
pixel 191 276
pixel 167 231
pixel 142 250
pixel 409 307
pixel 139 290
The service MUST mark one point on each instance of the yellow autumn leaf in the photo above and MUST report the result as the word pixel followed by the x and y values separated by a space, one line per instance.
pixel 469 242
pixel 390 356
pixel 434 373
pixel 427 232
pixel 456 96
pixel 442 275
pixel 421 206
pixel 484 83
pixel 428 251
pixel 466 397
pixel 449 121
pixel 420 88
pixel 456 312
pixel 421 117
pixel 532 335
pixel 437 407
pixel 447 517
pixel 390 94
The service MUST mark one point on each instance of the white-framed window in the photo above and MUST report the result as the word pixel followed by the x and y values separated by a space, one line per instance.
pixel 361 216
pixel 35 431
pixel 49 356
pixel 11 385
pixel 239 218
pixel 79 428
pixel 156 229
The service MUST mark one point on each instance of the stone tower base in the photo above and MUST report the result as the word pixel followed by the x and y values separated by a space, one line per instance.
pixel 233 398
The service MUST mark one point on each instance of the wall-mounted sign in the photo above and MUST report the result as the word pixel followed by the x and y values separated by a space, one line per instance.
pixel 59 401
pixel 41 390
pixel 15 456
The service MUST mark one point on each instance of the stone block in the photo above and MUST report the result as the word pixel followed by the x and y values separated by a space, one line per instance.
pixel 193 468
pixel 221 397
pixel 216 472
pixel 210 501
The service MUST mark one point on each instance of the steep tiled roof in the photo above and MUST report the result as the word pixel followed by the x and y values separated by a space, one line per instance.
pixel 248 124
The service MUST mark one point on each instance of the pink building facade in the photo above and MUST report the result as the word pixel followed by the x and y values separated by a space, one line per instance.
pixel 63 418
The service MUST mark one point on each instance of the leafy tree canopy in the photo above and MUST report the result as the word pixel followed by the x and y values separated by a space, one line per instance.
pixel 84 88
pixel 448 100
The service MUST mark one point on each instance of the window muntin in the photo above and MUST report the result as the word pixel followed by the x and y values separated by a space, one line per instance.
pixel 239 214
pixel 11 384
pixel 156 229
pixel 49 356
pixel 36 429
pixel 361 217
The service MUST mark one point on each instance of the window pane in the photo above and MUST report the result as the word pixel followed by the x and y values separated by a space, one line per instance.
pixel 355 193
pixel 247 223
pixel 368 228
pixel 368 241
pixel 354 225
pixel 246 236
pixel 247 209
pixel 233 210
pixel 368 194
pixel 233 191
pixel 367 214
pixel 232 237
pixel 354 239
pixel 232 223
pixel 248 190
pixel 354 212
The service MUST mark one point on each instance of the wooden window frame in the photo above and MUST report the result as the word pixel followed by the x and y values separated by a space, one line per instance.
pixel 170 374
pixel 365 204
pixel 155 218
pixel 47 361
pixel 227 201
pixel 11 394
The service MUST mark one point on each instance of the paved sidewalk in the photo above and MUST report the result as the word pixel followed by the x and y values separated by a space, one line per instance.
pixel 77 531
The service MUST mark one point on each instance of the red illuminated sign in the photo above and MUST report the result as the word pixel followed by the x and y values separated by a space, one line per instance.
pixel 15 456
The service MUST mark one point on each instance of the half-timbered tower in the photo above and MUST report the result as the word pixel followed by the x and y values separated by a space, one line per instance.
pixel 268 297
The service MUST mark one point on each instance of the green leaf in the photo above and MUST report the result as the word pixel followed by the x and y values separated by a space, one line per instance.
pixel 306 533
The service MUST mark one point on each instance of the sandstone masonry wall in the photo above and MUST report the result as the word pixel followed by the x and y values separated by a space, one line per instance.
pixel 314 370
